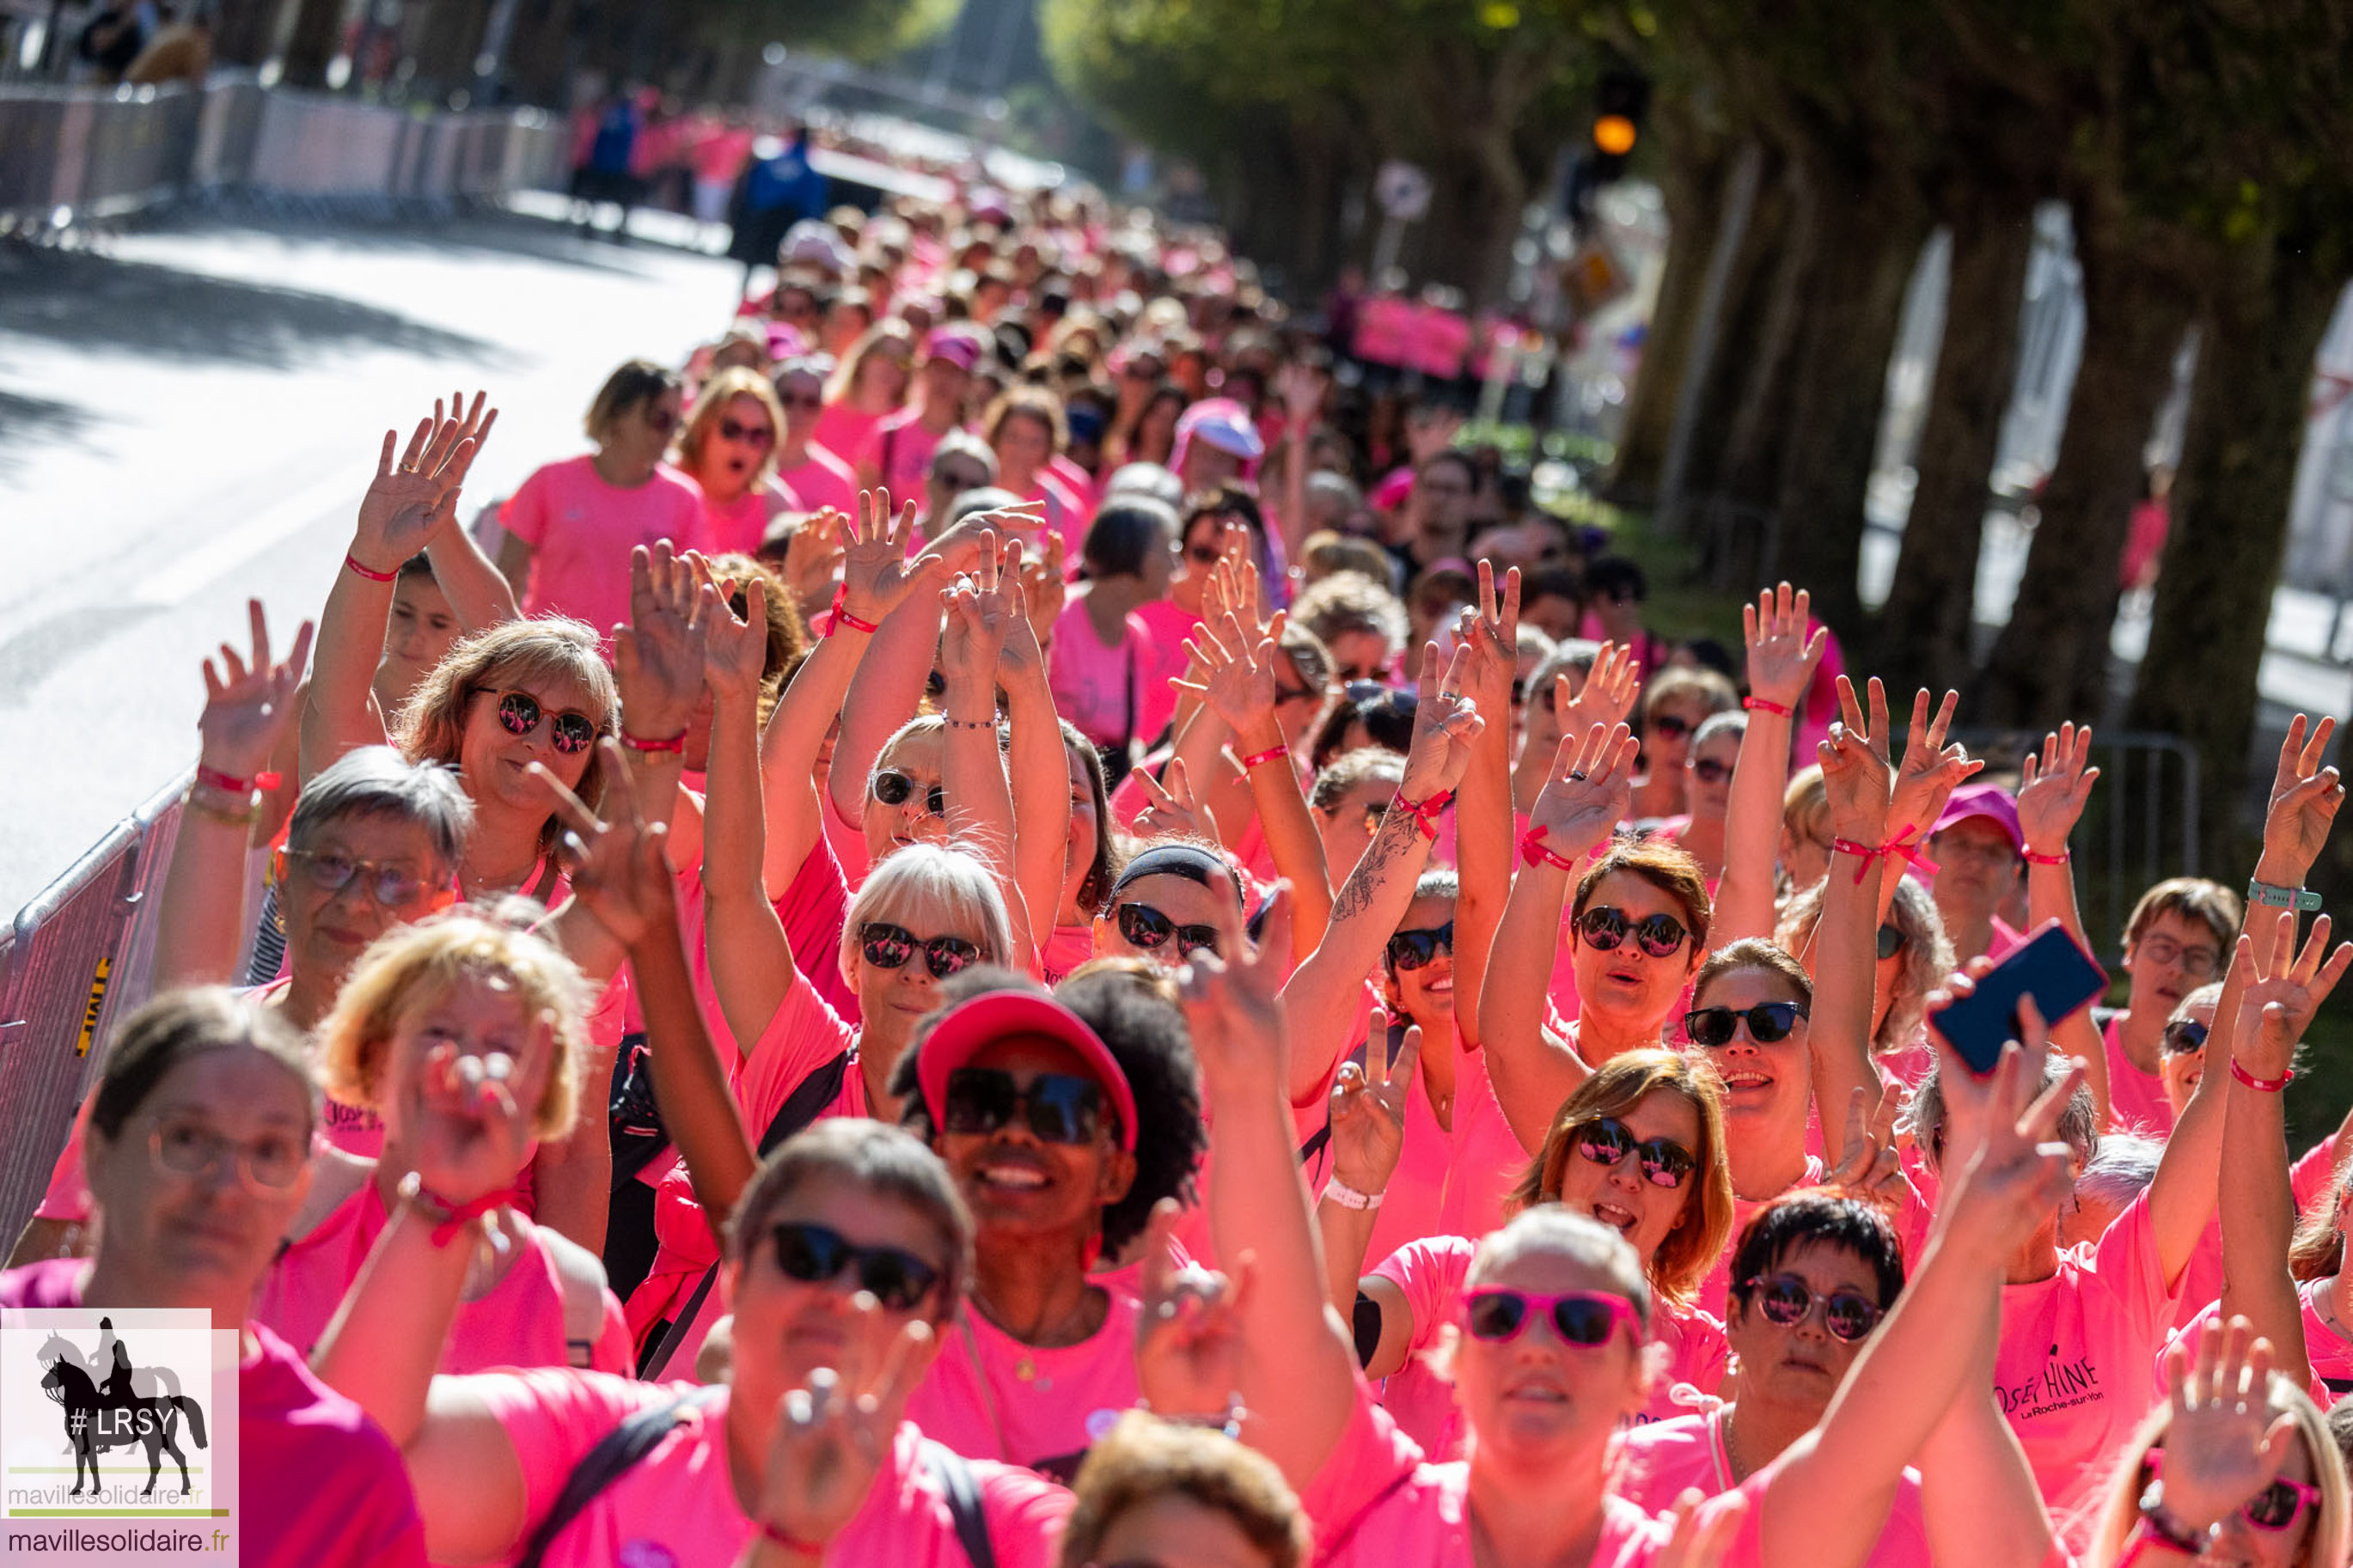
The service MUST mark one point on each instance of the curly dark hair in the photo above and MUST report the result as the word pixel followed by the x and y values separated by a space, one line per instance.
pixel 1146 1035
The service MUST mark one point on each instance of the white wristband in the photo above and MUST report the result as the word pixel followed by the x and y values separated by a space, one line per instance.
pixel 1348 1198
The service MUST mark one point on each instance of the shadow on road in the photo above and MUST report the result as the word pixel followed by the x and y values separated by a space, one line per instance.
pixel 26 420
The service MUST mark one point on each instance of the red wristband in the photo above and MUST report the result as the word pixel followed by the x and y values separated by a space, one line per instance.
pixel 230 784
pixel 1767 705
pixel 1269 754
pixel 840 617
pixel 1533 850
pixel 2260 1085
pixel 462 1214
pixel 370 573
pixel 2031 858
pixel 1423 812
pixel 792 1543
pixel 675 744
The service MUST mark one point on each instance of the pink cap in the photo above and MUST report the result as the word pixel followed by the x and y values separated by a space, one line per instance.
pixel 975 1024
pixel 1989 801
pixel 954 345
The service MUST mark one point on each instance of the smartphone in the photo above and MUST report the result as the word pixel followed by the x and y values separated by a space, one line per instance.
pixel 2050 966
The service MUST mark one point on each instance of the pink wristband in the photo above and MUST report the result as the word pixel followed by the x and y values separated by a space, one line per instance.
pixel 2031 858
pixel 1269 754
pixel 792 1543
pixel 841 617
pixel 1767 705
pixel 1533 850
pixel 229 784
pixel 674 743
pixel 1424 811
pixel 462 1214
pixel 2260 1085
pixel 370 573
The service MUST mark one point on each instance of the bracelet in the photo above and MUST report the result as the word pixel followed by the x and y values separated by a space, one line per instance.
pixel 1767 705
pixel 1348 1198
pixel 840 617
pixel 229 784
pixel 2278 898
pixel 1423 810
pixel 1534 849
pixel 2260 1085
pixel 675 744
pixel 1269 754
pixel 970 723
pixel 450 1218
pixel 1899 848
pixel 792 1543
pixel 370 573
pixel 2034 858
pixel 1228 1420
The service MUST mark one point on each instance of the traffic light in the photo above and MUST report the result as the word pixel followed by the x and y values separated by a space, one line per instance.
pixel 1617 124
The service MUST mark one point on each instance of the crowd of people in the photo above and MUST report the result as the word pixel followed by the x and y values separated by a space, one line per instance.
pixel 1176 977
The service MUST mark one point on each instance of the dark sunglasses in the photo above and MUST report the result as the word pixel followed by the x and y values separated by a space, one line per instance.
pixel 1413 949
pixel 1669 726
pixel 896 789
pixel 815 1254
pixel 887 946
pixel 1666 1163
pixel 758 434
pixel 960 481
pixel 1787 1300
pixel 1604 927
pixel 520 712
pixel 1147 927
pixel 1768 1022
pixel 1061 1107
pixel 2277 1507
pixel 1586 1317
pixel 1892 940
pixel 394 886
pixel 2186 1035
pixel 1202 554
pixel 1710 772
pixel 801 399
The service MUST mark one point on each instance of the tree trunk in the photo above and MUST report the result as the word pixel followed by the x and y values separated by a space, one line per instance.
pixel 318 33
pixel 446 43
pixel 1694 185
pixel 2230 527
pixel 539 53
pixel 245 31
pixel 1924 630
pixel 1868 236
pixel 2051 661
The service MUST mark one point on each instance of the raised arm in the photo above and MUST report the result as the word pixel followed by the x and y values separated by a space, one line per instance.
pixel 1037 766
pixel 1857 781
pixel 248 708
pixel 1367 1141
pixel 2182 1194
pixel 1605 698
pixel 1482 807
pixel 1319 1001
pixel 477 590
pixel 751 963
pixel 1591 786
pixel 980 615
pixel 1781 660
pixel 2050 798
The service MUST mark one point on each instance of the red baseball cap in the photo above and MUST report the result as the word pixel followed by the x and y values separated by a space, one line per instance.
pixel 975 1024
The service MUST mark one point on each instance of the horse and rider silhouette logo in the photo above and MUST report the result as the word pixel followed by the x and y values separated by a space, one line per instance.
pixel 107 1402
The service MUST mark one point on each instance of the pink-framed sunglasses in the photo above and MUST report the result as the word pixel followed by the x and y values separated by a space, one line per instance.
pixel 1584 1318
pixel 2276 1508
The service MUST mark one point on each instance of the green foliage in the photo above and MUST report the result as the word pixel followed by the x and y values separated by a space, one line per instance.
pixel 862 30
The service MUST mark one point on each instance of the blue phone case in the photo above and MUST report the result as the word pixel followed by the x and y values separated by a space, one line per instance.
pixel 2048 966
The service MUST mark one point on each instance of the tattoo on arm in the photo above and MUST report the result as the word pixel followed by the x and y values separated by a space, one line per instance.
pixel 1395 839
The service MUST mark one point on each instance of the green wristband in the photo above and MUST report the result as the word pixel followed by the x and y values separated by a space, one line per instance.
pixel 2301 899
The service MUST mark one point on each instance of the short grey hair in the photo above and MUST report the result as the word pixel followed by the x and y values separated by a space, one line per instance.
pixel 2120 1170
pixel 1732 723
pixel 377 781
pixel 1155 479
pixel 963 444
pixel 2079 1123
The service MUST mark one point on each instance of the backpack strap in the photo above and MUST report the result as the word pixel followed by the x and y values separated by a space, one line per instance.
pixel 961 1487
pixel 810 1096
pixel 614 1455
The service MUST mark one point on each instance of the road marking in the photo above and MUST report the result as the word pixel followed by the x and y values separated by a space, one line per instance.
pixel 217 557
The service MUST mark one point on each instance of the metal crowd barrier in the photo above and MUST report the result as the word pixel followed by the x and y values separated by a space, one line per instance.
pixel 78 958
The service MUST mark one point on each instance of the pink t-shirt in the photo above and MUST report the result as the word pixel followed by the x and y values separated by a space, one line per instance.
pixel 330 1488
pixel 2314 1177
pixel 1069 947
pixel 1656 1463
pixel 520 1323
pixel 843 430
pixel 581 531
pixel 823 479
pixel 739 525
pixel 676 1506
pixel 2075 1370
pixel 1169 624
pixel 2137 1101
pixel 1489 1161
pixel 990 1396
pixel 899 450
pixel 2330 1353
pixel 1099 687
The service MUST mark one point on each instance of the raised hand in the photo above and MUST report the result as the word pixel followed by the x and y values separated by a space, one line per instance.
pixel 470 1115
pixel 736 648
pixel 1043 594
pixel 1871 1165
pixel 249 703
pixel 2222 1445
pixel 2053 787
pixel 659 657
pixel 1590 791
pixel 1300 386
pixel 876 575
pixel 1172 807
pixel 1857 775
pixel 831 1438
pixel 2018 1174
pixel 980 615
pixel 1445 724
pixel 1932 770
pixel 2304 799
pixel 1189 1336
pixel 813 555
pixel 1607 696
pixel 619 871
pixel 410 499
pixel 2287 989
pixel 1237 670
pixel 1230 1001
pixel 1781 655
pixel 1369 1109
pixel 959 548
pixel 1231 586
pixel 1490 634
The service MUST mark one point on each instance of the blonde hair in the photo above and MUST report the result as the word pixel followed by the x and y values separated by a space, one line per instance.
pixel 1144 1458
pixel 2331 1534
pixel 1806 805
pixel 952 884
pixel 711 403
pixel 853 363
pixel 414 966
pixel 1029 402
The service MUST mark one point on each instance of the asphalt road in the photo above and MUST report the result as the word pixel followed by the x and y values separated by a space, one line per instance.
pixel 187 418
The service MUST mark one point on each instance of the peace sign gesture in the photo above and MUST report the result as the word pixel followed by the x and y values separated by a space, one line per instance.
pixel 1189 1336
pixel 1445 724
pixel 2304 799
pixel 2053 787
pixel 1368 1107
pixel 1489 634
pixel 408 501
pixel 1230 1001
pixel 1590 791
pixel 470 1115
pixel 248 705
pixel 2287 989
pixel 620 873
pixel 1871 1166
pixel 1171 808
pixel 830 1438
pixel 1932 770
pixel 1857 775
pixel 1781 655
pixel 876 575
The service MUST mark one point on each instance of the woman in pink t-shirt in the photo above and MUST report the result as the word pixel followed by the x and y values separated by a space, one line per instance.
pixel 198 1154
pixel 1102 660
pixel 1024 428
pixel 817 474
pixel 728 448
pixel 432 1004
pixel 871 382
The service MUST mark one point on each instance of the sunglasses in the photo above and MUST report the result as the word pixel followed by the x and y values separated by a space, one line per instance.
pixel 1671 727
pixel 1711 772
pixel 1202 554
pixel 1604 928
pixel 1787 1300
pixel 2277 1507
pixel 1586 1317
pixel 801 399
pixel 816 1255
pixel 1059 1107
pixel 1414 949
pixel 1892 940
pixel 573 731
pixel 1148 929
pixel 1608 1141
pixel 1767 1021
pixel 959 479
pixel 758 434
pixel 892 788
pixel 662 420
pixel 2188 1035
pixel 887 946
pixel 394 886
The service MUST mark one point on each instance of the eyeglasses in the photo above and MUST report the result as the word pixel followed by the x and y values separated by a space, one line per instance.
pixel 801 399
pixel 1669 726
pixel 2198 962
pixel 184 1147
pixel 1767 1021
pixel 816 1255
pixel 1202 554
pixel 1603 928
pixel 1787 1300
pixel 1586 1317
pixel 664 420
pixel 1892 940
pixel 1415 949
pixel 892 788
pixel 393 885
pixel 1145 927
pixel 1059 1106
pixel 1608 1141
pixel 959 479
pixel 757 435
pixel 573 731
pixel 2277 1507
pixel 2183 1035
pixel 1708 771
pixel 887 946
